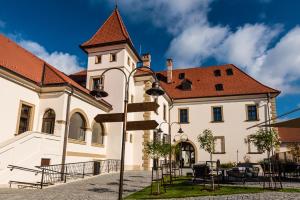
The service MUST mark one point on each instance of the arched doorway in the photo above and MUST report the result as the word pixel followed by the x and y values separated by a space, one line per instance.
pixel 186 154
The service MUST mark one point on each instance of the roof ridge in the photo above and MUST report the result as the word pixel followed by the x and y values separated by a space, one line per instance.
pixel 55 72
pixel 123 27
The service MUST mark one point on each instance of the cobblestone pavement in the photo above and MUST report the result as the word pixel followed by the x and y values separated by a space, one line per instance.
pixel 258 196
pixel 106 187
pixel 100 187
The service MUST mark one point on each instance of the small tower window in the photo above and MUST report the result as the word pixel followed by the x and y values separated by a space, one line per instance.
pixel 181 76
pixel 128 61
pixel 219 87
pixel 113 57
pixel 97 81
pixel 98 59
pixel 229 72
pixel 217 72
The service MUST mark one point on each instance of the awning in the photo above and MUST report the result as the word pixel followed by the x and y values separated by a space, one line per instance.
pixel 293 123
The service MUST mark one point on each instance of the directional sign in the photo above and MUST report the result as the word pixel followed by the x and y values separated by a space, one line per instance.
pixel 141 125
pixel 142 107
pixel 114 117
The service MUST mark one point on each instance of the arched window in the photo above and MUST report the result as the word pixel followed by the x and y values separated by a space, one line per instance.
pixel 98 134
pixel 48 122
pixel 77 127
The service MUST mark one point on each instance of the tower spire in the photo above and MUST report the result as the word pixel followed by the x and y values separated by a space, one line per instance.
pixel 116 4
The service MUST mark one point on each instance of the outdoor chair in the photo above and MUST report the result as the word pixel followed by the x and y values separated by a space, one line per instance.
pixel 237 173
pixel 200 172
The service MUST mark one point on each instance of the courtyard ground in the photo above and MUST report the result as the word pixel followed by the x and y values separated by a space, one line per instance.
pixel 106 187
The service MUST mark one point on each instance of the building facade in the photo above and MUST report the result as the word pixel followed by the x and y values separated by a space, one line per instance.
pixel 47 116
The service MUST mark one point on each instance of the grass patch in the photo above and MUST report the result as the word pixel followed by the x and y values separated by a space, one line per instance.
pixel 184 188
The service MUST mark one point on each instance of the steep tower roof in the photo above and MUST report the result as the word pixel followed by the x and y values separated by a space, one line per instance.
pixel 113 31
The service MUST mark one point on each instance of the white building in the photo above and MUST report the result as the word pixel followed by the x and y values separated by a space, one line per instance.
pixel 44 110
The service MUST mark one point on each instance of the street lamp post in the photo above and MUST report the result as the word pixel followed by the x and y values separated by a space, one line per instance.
pixel 100 93
pixel 182 138
pixel 180 131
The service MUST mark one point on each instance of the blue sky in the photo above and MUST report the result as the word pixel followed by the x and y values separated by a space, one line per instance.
pixel 262 37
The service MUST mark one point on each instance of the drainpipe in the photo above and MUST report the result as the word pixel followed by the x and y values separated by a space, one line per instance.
pixel 63 161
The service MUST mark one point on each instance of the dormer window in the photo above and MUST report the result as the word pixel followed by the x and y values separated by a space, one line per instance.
pixel 181 76
pixel 229 72
pixel 98 59
pixel 217 72
pixel 219 87
pixel 113 57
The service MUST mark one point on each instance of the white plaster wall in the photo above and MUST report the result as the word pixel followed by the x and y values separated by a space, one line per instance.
pixel 11 95
pixel 234 127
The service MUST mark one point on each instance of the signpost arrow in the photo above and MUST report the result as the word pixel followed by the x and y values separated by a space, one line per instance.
pixel 141 125
pixel 114 117
pixel 142 107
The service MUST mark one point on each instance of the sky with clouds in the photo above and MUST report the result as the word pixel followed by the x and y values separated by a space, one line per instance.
pixel 262 37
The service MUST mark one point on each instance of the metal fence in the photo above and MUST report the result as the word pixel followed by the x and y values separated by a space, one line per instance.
pixel 51 174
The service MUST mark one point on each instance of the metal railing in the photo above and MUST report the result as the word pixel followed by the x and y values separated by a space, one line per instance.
pixel 51 174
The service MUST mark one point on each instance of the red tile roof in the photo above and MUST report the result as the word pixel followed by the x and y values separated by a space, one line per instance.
pixel 20 61
pixel 204 81
pixel 112 31
pixel 289 134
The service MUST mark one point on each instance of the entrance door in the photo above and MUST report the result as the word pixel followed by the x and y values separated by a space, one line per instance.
pixel 186 154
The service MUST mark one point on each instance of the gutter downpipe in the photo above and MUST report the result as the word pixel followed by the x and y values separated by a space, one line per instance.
pixel 63 160
pixel 170 140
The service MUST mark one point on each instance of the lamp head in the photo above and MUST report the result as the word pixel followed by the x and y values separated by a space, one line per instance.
pixel 159 130
pixel 180 131
pixel 99 92
pixel 155 90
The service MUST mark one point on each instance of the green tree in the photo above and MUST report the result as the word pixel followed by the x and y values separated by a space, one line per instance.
pixel 207 142
pixel 294 149
pixel 266 140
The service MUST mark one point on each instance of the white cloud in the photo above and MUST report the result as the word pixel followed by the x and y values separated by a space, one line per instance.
pixel 195 44
pixel 247 45
pixel 63 61
pixel 195 39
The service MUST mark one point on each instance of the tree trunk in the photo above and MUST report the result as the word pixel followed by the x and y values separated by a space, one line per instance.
pixel 270 169
pixel 211 173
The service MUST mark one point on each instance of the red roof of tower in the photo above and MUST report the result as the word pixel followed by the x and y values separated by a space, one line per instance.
pixel 113 31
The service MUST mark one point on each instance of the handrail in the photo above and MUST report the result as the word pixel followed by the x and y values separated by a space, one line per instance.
pixel 12 167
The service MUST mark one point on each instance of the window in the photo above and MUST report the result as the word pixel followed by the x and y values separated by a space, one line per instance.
pixel 219 87
pixel 97 134
pixel 186 85
pixel 130 138
pixel 229 72
pixel 128 61
pixel 98 81
pixel 156 136
pixel 45 161
pixel 165 139
pixel 252 149
pixel 217 114
pixel 133 66
pixel 183 115
pixel 113 57
pixel 98 59
pixel 181 76
pixel 252 114
pixel 132 98
pixel 48 122
pixel 217 72
pixel 26 118
pixel 77 127
pixel 219 147
pixel 165 112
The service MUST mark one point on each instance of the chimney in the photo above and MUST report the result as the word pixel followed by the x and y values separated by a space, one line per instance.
pixel 146 58
pixel 169 70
